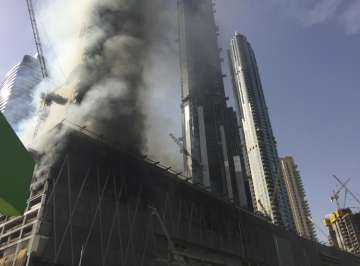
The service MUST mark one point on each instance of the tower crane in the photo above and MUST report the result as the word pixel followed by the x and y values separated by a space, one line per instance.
pixel 347 190
pixel 37 39
pixel 335 195
pixel 183 150
pixel 44 71
pixel 179 142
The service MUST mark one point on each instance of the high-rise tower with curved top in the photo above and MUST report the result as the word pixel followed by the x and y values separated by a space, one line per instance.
pixel 268 187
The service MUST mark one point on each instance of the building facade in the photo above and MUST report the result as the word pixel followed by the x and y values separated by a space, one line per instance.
pixel 17 88
pixel 344 230
pixel 98 206
pixel 269 192
pixel 299 206
pixel 207 159
pixel 241 181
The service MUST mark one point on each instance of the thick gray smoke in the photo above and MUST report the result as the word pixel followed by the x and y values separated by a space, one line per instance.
pixel 111 76
pixel 113 85
pixel 53 98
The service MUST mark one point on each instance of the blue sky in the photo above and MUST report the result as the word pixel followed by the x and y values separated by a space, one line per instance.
pixel 16 35
pixel 309 60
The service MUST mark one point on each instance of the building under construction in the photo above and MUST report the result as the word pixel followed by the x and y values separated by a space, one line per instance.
pixel 344 230
pixel 213 159
pixel 98 206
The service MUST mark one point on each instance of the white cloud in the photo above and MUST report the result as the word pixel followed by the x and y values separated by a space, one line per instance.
pixel 351 18
pixel 314 12
pixel 321 11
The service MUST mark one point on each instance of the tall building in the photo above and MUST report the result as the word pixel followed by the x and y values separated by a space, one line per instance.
pixel 240 182
pixel 344 230
pixel 269 192
pixel 299 206
pixel 16 90
pixel 204 109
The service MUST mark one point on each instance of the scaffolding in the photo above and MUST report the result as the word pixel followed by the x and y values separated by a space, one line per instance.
pixel 17 234
pixel 96 206
pixel 93 208
pixel 343 230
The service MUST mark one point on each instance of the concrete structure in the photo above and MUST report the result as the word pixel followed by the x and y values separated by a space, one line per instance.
pixel 16 90
pixel 241 181
pixel 299 206
pixel 270 196
pixel 96 206
pixel 204 107
pixel 344 230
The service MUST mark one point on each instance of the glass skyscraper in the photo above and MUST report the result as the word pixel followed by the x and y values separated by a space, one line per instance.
pixel 17 88
pixel 267 183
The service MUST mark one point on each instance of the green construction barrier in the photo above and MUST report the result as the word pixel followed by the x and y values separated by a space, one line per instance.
pixel 16 170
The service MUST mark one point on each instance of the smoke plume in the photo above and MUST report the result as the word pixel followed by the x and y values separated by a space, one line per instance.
pixel 110 79
pixel 113 87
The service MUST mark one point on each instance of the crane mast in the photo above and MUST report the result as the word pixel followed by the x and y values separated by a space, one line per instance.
pixel 335 196
pixel 347 190
pixel 37 39
pixel 41 58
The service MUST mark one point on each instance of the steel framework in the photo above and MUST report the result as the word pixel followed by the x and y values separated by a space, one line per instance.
pixel 97 206
pixel 37 38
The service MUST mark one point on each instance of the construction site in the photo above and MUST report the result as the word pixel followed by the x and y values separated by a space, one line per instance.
pixel 96 199
pixel 344 230
pixel 98 206
pixel 343 224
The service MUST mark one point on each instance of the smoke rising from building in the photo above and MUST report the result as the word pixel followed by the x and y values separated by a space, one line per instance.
pixel 110 79
pixel 110 62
